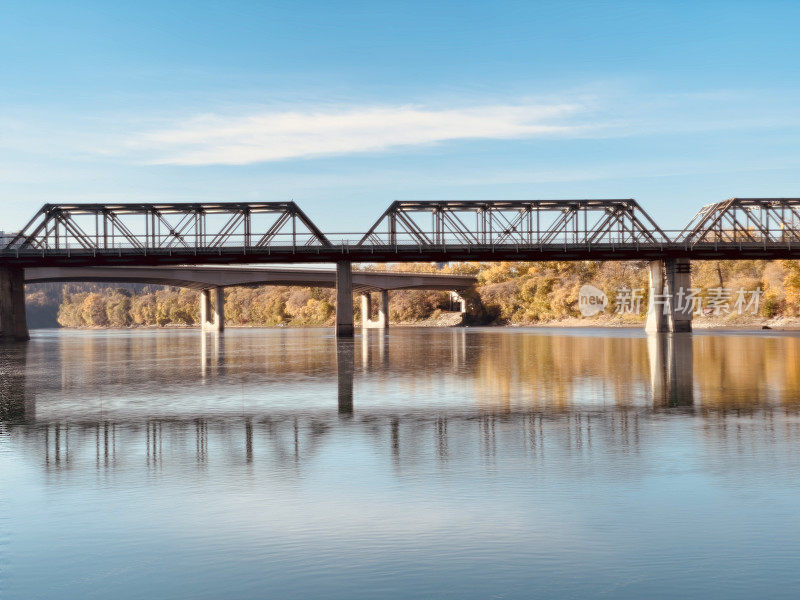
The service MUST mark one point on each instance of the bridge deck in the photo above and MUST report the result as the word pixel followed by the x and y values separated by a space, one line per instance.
pixel 206 277
pixel 400 253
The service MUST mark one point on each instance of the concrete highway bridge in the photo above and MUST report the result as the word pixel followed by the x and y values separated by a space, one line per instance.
pixel 211 280
pixel 159 235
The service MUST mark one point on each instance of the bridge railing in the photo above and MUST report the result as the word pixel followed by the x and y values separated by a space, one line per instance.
pixel 435 240
pixel 143 243
pixel 351 242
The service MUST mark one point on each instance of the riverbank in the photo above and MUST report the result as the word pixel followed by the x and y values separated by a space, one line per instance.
pixel 749 322
pixel 455 320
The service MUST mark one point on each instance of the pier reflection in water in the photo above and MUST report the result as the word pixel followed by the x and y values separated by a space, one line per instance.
pixel 467 461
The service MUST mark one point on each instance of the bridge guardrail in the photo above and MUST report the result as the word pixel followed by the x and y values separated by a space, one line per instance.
pixel 348 241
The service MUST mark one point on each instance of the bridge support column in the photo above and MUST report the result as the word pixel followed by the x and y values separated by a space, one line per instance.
pixel 366 310
pixel 383 308
pixel 670 280
pixel 13 324
pixel 656 319
pixel 212 314
pixel 678 281
pixel 344 299
pixel 459 300
pixel 382 322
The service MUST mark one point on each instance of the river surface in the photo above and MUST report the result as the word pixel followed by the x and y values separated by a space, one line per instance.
pixel 422 463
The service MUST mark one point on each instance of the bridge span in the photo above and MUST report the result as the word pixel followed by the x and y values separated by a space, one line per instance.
pixel 207 277
pixel 159 235
pixel 211 280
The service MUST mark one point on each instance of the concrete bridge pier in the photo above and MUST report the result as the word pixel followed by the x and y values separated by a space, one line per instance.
pixel 678 278
pixel 212 314
pixel 13 324
pixel 344 299
pixel 382 322
pixel 669 282
pixel 458 300
pixel 656 319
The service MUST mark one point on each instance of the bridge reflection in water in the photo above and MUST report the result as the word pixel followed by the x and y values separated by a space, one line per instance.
pixel 106 399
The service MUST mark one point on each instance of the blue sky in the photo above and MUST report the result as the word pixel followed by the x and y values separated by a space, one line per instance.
pixel 346 106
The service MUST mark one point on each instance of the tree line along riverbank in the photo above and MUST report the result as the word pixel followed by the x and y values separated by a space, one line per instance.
pixel 508 293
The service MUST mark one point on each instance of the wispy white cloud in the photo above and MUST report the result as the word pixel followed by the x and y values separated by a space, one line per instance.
pixel 248 137
pixel 242 135
pixel 270 136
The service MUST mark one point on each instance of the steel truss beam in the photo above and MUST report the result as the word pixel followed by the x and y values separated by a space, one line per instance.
pixel 745 221
pixel 180 226
pixel 71 235
pixel 514 223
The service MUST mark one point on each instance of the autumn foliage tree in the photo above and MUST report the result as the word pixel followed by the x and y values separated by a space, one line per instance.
pixel 516 292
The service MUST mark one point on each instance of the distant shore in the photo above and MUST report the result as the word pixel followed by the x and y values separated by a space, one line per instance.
pixel 699 323
pixel 744 322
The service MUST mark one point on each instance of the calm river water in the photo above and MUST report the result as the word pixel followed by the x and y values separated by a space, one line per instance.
pixel 426 463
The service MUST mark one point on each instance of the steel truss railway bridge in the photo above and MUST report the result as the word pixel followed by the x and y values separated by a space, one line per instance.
pixel 158 236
